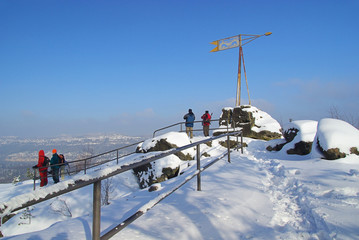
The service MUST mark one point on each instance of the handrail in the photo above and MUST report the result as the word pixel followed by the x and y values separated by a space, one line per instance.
pixel 97 181
pixel 101 154
pixel 86 166
pixel 181 123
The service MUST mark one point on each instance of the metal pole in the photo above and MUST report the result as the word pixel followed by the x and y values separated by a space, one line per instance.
pixel 85 165
pixel 242 141
pixel 117 156
pixel 228 115
pixel 34 179
pixel 237 142
pixel 245 76
pixel 238 100
pixel 198 168
pixel 96 217
pixel 229 149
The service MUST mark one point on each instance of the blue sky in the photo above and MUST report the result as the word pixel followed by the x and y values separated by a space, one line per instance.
pixel 130 67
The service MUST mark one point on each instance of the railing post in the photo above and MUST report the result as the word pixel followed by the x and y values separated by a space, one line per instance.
pixel 96 215
pixel 242 141
pixel 198 168
pixel 35 179
pixel 117 156
pixel 85 163
pixel 229 149
pixel 237 141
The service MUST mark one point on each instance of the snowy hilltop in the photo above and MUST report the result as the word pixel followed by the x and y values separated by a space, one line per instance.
pixel 260 194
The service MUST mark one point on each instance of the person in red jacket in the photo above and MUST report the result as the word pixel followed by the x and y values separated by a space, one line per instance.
pixel 206 121
pixel 42 165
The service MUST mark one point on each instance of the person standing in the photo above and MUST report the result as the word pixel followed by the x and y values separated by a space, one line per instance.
pixel 62 166
pixel 55 160
pixel 189 117
pixel 42 165
pixel 206 121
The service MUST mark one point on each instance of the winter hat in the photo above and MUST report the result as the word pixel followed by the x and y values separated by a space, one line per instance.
pixel 189 110
pixel 41 153
pixel 54 151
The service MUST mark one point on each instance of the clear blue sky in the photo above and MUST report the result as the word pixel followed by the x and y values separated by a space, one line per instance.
pixel 130 67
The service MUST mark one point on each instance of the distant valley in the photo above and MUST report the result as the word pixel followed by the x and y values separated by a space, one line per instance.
pixel 19 154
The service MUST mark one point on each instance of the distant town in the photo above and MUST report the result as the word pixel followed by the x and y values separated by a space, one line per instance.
pixel 18 155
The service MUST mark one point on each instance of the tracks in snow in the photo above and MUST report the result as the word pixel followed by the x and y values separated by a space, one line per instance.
pixel 294 216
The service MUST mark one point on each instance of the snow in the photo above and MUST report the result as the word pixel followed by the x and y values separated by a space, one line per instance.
pixel 258 195
pixel 264 120
pixel 335 133
pixel 177 138
pixel 307 129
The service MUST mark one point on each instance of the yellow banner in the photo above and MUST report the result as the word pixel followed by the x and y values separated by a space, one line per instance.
pixel 226 43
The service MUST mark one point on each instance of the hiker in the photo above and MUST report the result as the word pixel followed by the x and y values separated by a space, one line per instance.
pixel 206 121
pixel 42 165
pixel 55 160
pixel 189 122
pixel 63 163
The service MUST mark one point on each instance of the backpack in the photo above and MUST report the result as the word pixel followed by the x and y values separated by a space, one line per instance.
pixel 61 159
pixel 206 118
pixel 46 162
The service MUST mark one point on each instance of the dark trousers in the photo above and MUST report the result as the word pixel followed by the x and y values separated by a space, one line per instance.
pixel 55 175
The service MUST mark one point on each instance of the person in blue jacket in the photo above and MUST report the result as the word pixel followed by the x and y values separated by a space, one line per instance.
pixel 189 117
pixel 54 163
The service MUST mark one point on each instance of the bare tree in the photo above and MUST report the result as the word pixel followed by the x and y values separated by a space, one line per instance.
pixel 347 117
pixel 107 189
pixel 60 206
pixel 26 215
pixel 334 113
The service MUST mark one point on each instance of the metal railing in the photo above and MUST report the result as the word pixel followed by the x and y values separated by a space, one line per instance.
pixel 97 185
pixel 183 128
pixel 88 163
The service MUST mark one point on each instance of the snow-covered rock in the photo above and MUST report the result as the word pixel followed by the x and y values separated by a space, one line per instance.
pixel 336 138
pixel 255 123
pixel 298 138
pixel 167 167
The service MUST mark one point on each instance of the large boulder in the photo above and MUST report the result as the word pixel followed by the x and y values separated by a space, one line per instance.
pixel 167 167
pixel 336 139
pixel 298 138
pixel 254 122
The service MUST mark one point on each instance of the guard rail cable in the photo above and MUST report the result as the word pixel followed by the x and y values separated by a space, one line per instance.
pixel 96 181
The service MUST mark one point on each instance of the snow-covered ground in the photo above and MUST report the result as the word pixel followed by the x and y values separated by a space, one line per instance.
pixel 259 195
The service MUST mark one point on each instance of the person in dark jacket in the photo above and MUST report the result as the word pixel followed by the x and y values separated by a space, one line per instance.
pixel 42 165
pixel 206 121
pixel 189 117
pixel 55 160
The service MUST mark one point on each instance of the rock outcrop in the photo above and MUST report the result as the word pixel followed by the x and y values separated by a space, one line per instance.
pixel 167 167
pixel 254 122
pixel 336 139
pixel 298 138
pixel 328 139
